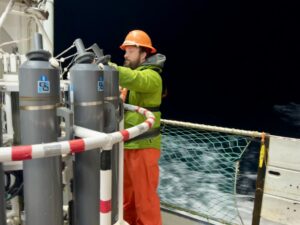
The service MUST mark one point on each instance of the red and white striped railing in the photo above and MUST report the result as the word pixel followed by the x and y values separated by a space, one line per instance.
pixel 90 140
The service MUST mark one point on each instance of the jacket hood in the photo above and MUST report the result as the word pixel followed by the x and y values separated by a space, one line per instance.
pixel 155 60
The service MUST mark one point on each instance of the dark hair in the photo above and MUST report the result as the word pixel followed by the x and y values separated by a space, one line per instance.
pixel 147 50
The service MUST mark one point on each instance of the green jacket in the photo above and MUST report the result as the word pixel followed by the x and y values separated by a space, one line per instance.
pixel 145 90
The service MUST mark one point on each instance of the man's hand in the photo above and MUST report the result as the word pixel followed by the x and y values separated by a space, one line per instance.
pixel 123 93
pixel 113 65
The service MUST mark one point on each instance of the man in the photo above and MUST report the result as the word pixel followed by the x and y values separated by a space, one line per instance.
pixel 140 75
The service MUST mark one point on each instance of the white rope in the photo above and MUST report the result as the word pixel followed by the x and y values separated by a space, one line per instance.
pixel 13 42
pixel 6 11
pixel 214 128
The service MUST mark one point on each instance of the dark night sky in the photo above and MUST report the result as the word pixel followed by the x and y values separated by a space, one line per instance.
pixel 228 62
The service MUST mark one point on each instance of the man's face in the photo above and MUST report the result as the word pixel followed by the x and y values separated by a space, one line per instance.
pixel 133 57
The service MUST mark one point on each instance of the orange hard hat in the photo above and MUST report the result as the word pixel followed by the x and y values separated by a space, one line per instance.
pixel 138 38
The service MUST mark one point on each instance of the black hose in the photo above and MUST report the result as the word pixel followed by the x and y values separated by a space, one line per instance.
pixel 7 181
pixel 16 188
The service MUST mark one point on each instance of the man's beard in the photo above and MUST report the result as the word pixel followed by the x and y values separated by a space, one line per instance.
pixel 131 65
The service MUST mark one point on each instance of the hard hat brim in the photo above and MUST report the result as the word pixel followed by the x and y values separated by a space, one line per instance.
pixel 153 50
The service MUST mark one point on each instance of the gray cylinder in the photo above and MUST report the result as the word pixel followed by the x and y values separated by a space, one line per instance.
pixel 87 91
pixel 39 92
pixel 111 85
pixel 15 117
pixel 111 95
pixel 2 191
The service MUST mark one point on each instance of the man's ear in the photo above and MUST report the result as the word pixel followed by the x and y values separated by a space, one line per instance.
pixel 143 56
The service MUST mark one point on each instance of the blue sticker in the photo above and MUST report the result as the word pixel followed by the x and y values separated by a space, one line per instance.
pixel 43 85
pixel 100 84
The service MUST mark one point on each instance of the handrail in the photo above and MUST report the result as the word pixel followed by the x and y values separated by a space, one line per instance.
pixel 89 139
pixel 254 134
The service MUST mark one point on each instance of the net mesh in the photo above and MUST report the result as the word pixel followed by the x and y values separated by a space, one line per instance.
pixel 200 174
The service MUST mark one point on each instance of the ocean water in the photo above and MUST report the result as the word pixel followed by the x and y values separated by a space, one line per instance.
pixel 197 175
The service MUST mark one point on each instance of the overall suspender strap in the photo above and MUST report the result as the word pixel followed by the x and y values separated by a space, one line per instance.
pixel 153 132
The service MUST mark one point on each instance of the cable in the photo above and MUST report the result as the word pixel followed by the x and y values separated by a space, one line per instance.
pixel 62 59
pixel 6 11
pixel 14 194
pixel 67 68
pixel 7 181
pixel 16 188
pixel 13 42
pixel 66 50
